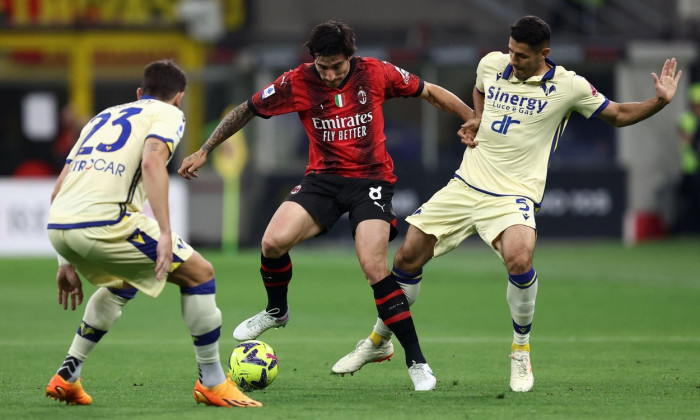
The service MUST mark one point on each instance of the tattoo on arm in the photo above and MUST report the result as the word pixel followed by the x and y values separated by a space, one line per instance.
pixel 232 122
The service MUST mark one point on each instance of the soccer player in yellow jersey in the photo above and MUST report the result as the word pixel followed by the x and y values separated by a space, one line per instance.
pixel 97 227
pixel 524 100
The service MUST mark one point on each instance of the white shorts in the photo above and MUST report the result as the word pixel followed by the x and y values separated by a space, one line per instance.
pixel 457 211
pixel 124 252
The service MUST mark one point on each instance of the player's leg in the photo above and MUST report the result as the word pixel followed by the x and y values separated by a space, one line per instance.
pixel 396 316
pixel 290 225
pixel 444 216
pixel 372 218
pixel 371 238
pixel 437 227
pixel 517 244
pixel 195 276
pixel 415 251
pixel 378 347
pixel 373 225
pixel 101 312
pixel 133 259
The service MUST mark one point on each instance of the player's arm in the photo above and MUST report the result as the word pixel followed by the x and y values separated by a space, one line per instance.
pixel 155 181
pixel 59 181
pixel 628 113
pixel 232 122
pixel 67 280
pixel 478 99
pixel 467 132
pixel 445 100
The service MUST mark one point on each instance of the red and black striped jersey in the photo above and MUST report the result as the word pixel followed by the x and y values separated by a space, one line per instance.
pixel 345 125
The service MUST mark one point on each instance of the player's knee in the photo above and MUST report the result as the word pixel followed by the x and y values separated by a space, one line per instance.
pixel 375 271
pixel 415 252
pixel 201 269
pixel 196 270
pixel 272 247
pixel 520 263
pixel 408 260
pixel 207 270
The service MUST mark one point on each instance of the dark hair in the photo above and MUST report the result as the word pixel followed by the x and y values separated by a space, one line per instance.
pixel 331 38
pixel 163 79
pixel 532 31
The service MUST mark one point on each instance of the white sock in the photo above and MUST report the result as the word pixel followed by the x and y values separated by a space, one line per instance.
pixel 202 316
pixel 101 312
pixel 522 309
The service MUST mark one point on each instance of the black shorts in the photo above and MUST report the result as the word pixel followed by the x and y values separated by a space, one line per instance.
pixel 327 197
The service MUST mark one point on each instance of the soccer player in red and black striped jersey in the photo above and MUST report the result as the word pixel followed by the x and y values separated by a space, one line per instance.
pixel 339 99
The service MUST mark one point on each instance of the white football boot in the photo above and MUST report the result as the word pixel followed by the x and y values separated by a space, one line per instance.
pixel 422 377
pixel 365 352
pixel 521 379
pixel 251 328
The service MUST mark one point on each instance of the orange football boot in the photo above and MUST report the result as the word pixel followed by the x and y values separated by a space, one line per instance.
pixel 72 393
pixel 225 394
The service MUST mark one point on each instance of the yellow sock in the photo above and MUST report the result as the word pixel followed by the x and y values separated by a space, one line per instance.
pixel 524 347
pixel 376 338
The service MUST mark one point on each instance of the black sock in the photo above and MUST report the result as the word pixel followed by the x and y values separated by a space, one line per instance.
pixel 392 307
pixel 276 274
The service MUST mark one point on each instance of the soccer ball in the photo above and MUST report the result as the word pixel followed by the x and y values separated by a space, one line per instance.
pixel 252 365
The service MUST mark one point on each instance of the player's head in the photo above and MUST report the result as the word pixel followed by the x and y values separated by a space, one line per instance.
pixel 332 44
pixel 331 38
pixel 528 46
pixel 164 80
pixel 532 31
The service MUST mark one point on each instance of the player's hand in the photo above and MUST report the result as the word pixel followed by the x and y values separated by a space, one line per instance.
pixel 467 132
pixel 667 84
pixel 69 285
pixel 164 258
pixel 192 163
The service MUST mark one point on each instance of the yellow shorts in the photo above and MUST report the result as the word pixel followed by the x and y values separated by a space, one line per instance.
pixel 457 211
pixel 124 252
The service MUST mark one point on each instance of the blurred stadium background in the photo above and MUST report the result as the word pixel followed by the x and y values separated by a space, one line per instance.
pixel 63 60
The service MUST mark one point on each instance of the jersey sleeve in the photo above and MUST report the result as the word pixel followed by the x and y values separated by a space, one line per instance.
pixel 480 70
pixel 168 127
pixel 401 83
pixel 276 98
pixel 587 101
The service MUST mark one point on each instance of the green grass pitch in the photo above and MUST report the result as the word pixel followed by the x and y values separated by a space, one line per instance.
pixel 615 336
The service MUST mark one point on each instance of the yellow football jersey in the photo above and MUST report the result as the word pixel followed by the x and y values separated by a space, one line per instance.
pixel 104 181
pixel 521 125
